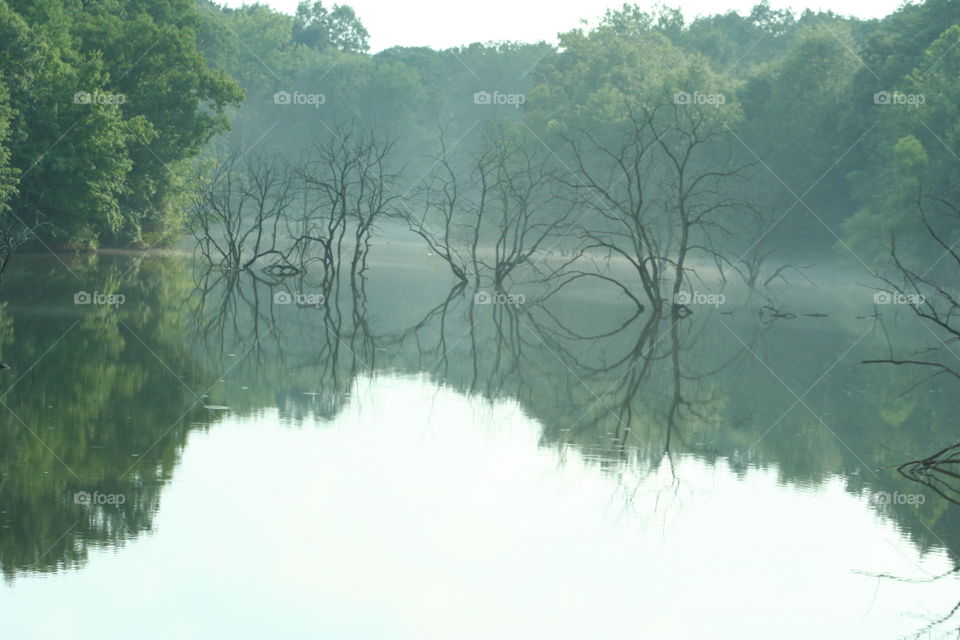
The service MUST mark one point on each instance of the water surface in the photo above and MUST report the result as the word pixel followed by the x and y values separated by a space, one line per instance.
pixel 400 462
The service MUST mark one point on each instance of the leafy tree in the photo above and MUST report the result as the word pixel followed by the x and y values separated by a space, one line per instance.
pixel 251 44
pixel 108 99
pixel 69 152
pixel 8 174
pixel 925 125
pixel 173 101
pixel 319 28
pixel 735 44
pixel 792 108
pixel 891 212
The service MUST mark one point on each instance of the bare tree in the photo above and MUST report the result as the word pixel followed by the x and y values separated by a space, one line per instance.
pixel 237 214
pixel 440 211
pixel 349 186
pixel 653 189
pixel 529 217
pixel 935 300
pixel 489 211
pixel 933 296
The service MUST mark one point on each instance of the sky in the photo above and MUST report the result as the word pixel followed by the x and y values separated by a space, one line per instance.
pixel 446 23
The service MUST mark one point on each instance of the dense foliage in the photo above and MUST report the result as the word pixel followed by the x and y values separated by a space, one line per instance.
pixel 838 122
pixel 104 102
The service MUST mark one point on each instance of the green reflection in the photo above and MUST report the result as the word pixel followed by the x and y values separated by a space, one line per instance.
pixel 101 398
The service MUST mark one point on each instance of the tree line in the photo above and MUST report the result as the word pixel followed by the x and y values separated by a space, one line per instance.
pixel 104 103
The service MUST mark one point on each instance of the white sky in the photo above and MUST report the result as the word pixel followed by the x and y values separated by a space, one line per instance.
pixel 445 23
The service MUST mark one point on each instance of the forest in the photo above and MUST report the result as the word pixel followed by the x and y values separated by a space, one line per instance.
pixel 850 125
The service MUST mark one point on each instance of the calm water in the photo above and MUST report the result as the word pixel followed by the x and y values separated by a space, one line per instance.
pixel 228 456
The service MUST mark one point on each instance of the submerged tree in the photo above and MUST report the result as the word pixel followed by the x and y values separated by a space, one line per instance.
pixel 649 153
pixel 488 211
pixel 930 290
pixel 237 214
pixel 349 187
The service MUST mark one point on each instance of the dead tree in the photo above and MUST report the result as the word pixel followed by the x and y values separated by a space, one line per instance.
pixel 237 212
pixel 654 190
pixel 528 215
pixel 935 300
pixel 348 188
pixel 489 211
pixel 438 222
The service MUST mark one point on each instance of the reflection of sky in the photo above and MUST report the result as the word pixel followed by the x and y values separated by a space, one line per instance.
pixel 448 23
pixel 421 514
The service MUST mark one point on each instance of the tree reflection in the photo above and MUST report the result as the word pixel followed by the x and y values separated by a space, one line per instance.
pixel 95 402
pixel 607 379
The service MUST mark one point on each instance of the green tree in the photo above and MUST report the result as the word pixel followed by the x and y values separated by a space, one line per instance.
pixel 914 163
pixel 792 107
pixel 68 148
pixel 892 209
pixel 8 174
pixel 319 28
pixel 174 103
pixel 108 98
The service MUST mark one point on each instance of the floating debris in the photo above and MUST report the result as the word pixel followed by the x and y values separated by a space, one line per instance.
pixel 216 407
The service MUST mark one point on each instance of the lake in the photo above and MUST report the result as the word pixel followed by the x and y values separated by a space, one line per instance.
pixel 189 453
